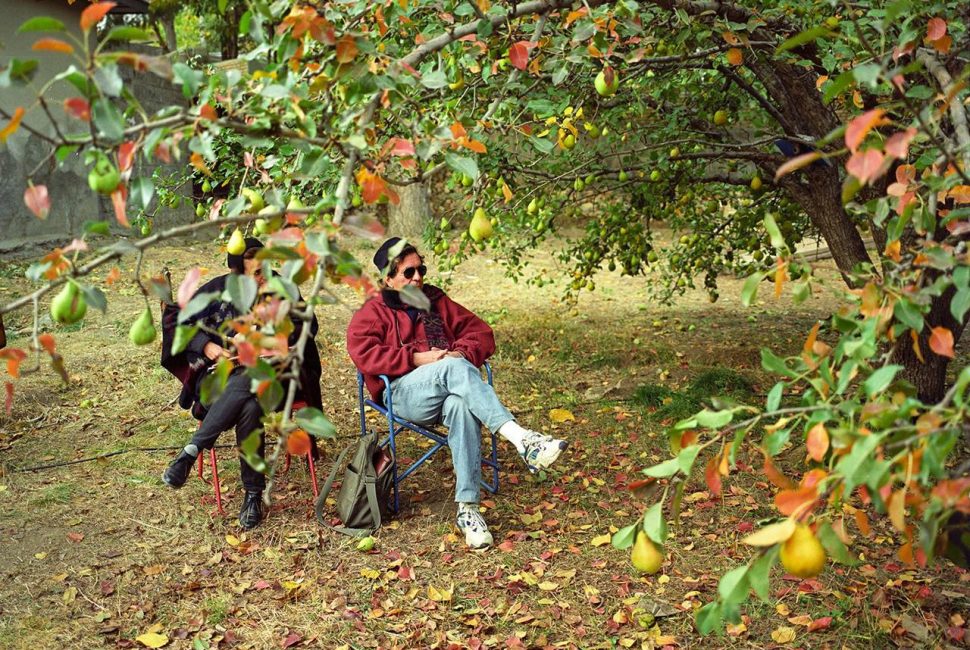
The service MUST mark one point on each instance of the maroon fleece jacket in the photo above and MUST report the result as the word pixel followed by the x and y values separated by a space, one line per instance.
pixel 382 337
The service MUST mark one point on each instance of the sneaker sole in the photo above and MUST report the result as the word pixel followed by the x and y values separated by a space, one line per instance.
pixel 480 547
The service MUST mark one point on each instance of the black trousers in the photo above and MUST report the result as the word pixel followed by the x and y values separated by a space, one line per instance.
pixel 236 407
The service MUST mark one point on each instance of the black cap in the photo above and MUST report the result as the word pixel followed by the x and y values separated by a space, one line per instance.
pixel 235 262
pixel 383 254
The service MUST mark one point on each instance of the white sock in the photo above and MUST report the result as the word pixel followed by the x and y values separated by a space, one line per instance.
pixel 191 450
pixel 512 432
pixel 467 507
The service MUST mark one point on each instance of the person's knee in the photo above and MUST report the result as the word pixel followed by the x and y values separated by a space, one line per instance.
pixel 453 408
pixel 456 365
pixel 250 410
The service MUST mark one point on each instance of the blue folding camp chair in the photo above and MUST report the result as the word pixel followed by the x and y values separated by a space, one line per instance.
pixel 396 424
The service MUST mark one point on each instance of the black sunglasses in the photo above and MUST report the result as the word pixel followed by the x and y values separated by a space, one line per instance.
pixel 409 271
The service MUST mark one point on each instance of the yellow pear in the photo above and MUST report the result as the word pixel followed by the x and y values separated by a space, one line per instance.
pixel 237 243
pixel 802 555
pixel 646 558
pixel 480 228
pixel 256 202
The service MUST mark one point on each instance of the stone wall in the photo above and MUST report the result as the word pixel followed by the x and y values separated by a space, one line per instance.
pixel 23 156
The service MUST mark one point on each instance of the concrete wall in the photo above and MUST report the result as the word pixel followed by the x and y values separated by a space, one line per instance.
pixel 21 233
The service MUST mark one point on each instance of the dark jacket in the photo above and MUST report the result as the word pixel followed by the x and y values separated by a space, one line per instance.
pixel 382 336
pixel 190 365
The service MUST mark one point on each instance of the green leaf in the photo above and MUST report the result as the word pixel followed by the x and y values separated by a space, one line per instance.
pixel 807 36
pixel 199 302
pixel 733 586
pixel 141 190
pixel 97 227
pixel 777 241
pixel 41 24
pixel 908 314
pixel 774 364
pixel 850 187
pixel 750 289
pixel 463 165
pixel 128 33
pixel 318 243
pixel 222 6
pixel 714 419
pixel 313 421
pixel 18 71
pixel 191 79
pixel 834 546
pixel 960 304
pixel 686 458
pixel 654 525
pixel 879 380
pixel 241 291
pixel 437 78
pixel 760 572
pixel 624 538
pixel 95 297
pixel 835 88
pixel 708 618
pixel 108 119
pixel 867 73
pixel 415 297
pixel 774 396
pixel 271 396
pixel 664 469
pixel 183 336
pixel 250 450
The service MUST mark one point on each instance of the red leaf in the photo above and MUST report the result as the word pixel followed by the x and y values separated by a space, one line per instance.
pixel 208 112
pixel 898 143
pixel 935 29
pixel 118 199
pixel 777 479
pixel 78 108
pixel 402 147
pixel 857 129
pixel 941 342
pixel 712 476
pixel 246 352
pixel 519 54
pixel 865 165
pixel 817 442
pixel 52 45
pixel 94 13
pixel 823 623
pixel 346 49
pixel 75 537
pixel 188 286
pixel 8 402
pixel 37 200
pixel 13 356
pixel 126 156
pixel 291 640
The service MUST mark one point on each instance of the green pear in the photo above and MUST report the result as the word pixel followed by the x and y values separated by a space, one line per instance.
pixel 142 331
pixel 237 243
pixel 68 306
pixel 256 202
pixel 480 228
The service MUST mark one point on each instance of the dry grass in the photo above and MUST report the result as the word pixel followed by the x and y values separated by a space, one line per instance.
pixel 97 553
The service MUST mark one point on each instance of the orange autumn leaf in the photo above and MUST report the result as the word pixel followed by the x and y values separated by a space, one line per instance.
pixel 796 502
pixel 93 14
pixel 197 161
pixel 817 442
pixel 941 341
pixel 47 343
pixel 860 126
pixel 777 479
pixel 298 443
pixel 113 276
pixel 712 476
pixel 13 125
pixel 862 521
pixel 52 45
pixel 13 356
pixel 208 112
pixel 734 56
pixel 346 49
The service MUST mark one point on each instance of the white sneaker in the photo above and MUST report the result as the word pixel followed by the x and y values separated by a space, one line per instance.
pixel 540 451
pixel 473 525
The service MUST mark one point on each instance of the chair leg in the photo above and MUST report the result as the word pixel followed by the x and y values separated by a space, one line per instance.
pixel 313 474
pixel 215 481
pixel 201 466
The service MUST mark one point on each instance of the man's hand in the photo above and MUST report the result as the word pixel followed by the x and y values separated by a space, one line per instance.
pixel 214 351
pixel 424 358
pixel 456 354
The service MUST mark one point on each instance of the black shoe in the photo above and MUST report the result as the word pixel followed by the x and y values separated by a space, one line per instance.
pixel 252 510
pixel 177 472
pixel 314 450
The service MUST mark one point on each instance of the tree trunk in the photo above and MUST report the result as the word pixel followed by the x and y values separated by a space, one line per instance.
pixel 411 216
pixel 168 24
pixel 3 335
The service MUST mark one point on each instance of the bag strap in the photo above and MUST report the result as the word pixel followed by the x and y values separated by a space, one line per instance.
pixel 369 487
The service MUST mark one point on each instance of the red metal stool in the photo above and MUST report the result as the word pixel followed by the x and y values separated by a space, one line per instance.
pixel 216 486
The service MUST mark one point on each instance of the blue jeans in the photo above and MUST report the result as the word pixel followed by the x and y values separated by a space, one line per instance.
pixel 451 392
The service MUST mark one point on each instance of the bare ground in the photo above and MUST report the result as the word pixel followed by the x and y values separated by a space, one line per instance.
pixel 98 553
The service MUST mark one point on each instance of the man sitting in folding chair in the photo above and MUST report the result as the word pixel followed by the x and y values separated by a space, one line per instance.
pixel 433 359
pixel 237 406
